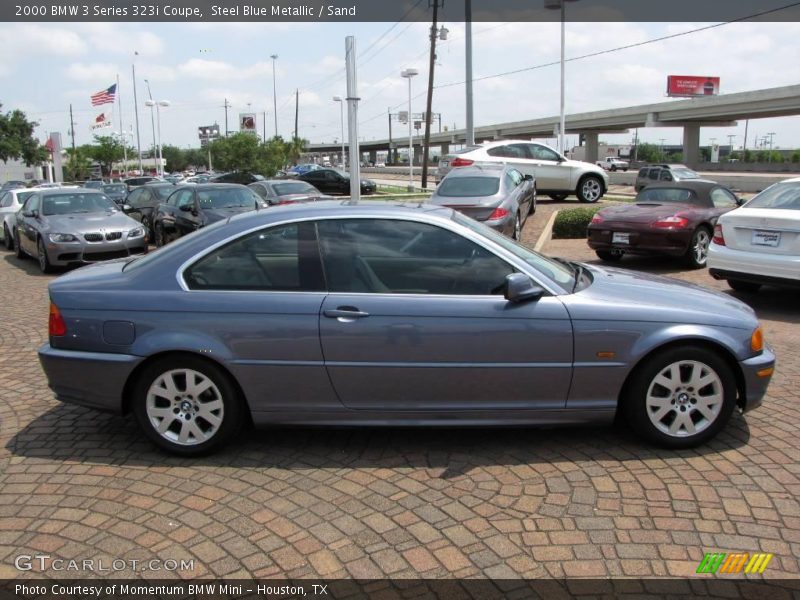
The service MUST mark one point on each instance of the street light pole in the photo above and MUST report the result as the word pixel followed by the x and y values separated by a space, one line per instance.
pixel 274 57
pixel 468 49
pixel 408 74
pixel 341 114
pixel 151 104
pixel 158 104
pixel 561 5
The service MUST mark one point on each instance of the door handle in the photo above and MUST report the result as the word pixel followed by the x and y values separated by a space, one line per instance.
pixel 345 313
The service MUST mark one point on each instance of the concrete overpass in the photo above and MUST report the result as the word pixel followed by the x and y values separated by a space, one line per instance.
pixel 692 114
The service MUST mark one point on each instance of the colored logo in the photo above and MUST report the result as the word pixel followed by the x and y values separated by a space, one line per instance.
pixel 740 562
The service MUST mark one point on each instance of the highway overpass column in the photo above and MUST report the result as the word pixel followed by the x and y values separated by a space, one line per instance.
pixel 592 147
pixel 373 157
pixel 445 148
pixel 691 145
pixel 417 155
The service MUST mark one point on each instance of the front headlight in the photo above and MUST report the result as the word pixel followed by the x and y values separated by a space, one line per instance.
pixel 60 238
pixel 138 232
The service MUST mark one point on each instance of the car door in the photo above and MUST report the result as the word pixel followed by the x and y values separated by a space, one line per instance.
pixel 265 291
pixel 135 201
pixel 550 173
pixel 27 224
pixel 315 178
pixel 187 215
pixel 416 321
pixel 520 189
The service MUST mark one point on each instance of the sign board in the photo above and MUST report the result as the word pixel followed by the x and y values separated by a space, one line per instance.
pixel 247 122
pixel 689 86
pixel 402 116
pixel 207 133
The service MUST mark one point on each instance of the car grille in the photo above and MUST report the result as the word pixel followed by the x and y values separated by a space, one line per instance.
pixel 113 235
pixel 93 237
pixel 95 256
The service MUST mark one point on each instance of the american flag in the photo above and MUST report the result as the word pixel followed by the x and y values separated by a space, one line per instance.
pixel 104 97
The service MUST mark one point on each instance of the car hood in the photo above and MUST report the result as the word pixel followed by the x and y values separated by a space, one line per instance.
pixel 620 294
pixel 218 214
pixel 90 222
pixel 644 212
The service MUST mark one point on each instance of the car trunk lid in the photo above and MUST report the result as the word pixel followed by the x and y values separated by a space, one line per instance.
pixel 763 230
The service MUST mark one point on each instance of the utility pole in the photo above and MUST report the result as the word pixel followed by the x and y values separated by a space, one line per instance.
pixel 389 112
pixel 468 31
pixel 122 131
pixel 226 106
pixel 352 118
pixel 264 114
pixel 274 57
pixel 72 130
pixel 297 112
pixel 744 143
pixel 136 112
pixel 432 62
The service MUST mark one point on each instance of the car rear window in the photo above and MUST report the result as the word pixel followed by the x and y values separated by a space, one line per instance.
pixel 784 196
pixel 466 187
pixel 665 195
pixel 465 149
pixel 295 187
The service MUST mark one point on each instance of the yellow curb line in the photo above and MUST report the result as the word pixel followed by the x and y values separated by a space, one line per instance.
pixel 546 234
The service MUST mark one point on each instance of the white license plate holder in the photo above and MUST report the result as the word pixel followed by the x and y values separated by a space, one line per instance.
pixel 620 238
pixel 763 237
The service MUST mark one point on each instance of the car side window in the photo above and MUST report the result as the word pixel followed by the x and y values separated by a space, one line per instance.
pixel 185 198
pixel 259 189
pixel 511 183
pixel 135 198
pixel 665 176
pixel 32 203
pixel 516 176
pixel 388 256
pixel 539 152
pixel 5 200
pixel 499 152
pixel 643 172
pixel 282 258
pixel 722 198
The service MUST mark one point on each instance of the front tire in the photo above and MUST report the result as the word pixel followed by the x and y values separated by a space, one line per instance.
pixel 697 252
pixel 44 261
pixel 18 251
pixel 7 239
pixel 590 189
pixel 516 234
pixel 187 405
pixel 744 286
pixel 681 397
pixel 158 235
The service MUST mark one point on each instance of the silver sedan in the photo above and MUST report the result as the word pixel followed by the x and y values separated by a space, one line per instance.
pixel 61 227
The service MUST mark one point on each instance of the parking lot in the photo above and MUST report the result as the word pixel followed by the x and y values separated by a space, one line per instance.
pixel 400 503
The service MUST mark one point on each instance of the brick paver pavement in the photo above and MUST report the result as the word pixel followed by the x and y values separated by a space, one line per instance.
pixel 78 484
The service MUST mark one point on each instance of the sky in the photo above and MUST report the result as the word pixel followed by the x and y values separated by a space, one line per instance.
pixel 196 66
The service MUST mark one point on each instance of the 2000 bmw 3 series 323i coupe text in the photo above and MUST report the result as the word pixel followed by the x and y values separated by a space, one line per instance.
pixel 330 313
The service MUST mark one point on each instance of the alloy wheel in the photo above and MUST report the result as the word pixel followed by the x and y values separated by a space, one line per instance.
pixel 684 398
pixel 184 407
pixel 591 190
pixel 700 248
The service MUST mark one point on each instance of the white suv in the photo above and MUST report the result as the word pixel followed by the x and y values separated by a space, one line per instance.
pixel 555 175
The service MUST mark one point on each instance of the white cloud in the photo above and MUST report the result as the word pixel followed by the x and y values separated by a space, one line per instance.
pixel 97 73
pixel 217 70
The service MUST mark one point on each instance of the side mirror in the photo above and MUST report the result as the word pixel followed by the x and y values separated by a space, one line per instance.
pixel 740 201
pixel 126 208
pixel 29 213
pixel 520 288
pixel 528 177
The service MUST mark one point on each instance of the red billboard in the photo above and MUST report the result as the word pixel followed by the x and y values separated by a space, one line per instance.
pixel 688 86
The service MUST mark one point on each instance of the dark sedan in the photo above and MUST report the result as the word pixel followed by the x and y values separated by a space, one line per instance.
pixel 192 207
pixel 676 219
pixel 240 177
pixel 142 202
pixel 335 181
pixel 116 191
pixel 281 191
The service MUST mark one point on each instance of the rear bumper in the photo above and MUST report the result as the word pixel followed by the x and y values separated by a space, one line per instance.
pixel 779 269
pixel 92 379
pixel 755 385
pixel 641 242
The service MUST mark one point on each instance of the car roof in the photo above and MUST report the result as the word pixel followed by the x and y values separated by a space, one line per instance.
pixel 211 186
pixel 61 191
pixel 489 171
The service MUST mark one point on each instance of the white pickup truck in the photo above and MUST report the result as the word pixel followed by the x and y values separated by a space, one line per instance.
pixel 612 163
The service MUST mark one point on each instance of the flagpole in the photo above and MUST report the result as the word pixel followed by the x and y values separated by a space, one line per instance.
pixel 122 131
pixel 136 112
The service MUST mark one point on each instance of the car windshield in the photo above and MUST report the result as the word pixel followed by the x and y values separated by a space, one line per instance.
pixel 666 195
pixel 94 184
pixel 784 196
pixel 68 204
pixel 556 272
pixel 117 188
pixel 468 186
pixel 227 198
pixel 296 187
pixel 162 191
pixel 684 174
pixel 22 196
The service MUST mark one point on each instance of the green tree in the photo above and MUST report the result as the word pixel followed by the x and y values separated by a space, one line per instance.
pixel 796 156
pixel 649 153
pixel 79 164
pixel 197 157
pixel 106 150
pixel 17 141
pixel 245 152
pixel 175 157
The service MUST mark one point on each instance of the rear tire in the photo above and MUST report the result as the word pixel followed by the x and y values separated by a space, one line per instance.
pixel 744 286
pixel 697 253
pixel 204 413
pixel 680 397
pixel 516 235
pixel 8 241
pixel 18 251
pixel 610 255
pixel 590 189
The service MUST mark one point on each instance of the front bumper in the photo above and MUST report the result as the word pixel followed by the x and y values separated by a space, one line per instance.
pixel 93 379
pixel 70 253
pixel 755 385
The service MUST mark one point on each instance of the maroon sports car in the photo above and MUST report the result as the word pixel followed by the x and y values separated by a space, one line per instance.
pixel 676 219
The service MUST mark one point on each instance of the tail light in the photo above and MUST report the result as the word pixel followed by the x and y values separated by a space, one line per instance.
pixel 718 238
pixel 673 222
pixel 461 162
pixel 57 326
pixel 497 213
pixel 597 219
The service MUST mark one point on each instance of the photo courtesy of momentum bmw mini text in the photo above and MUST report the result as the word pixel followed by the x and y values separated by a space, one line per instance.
pixel 453 299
